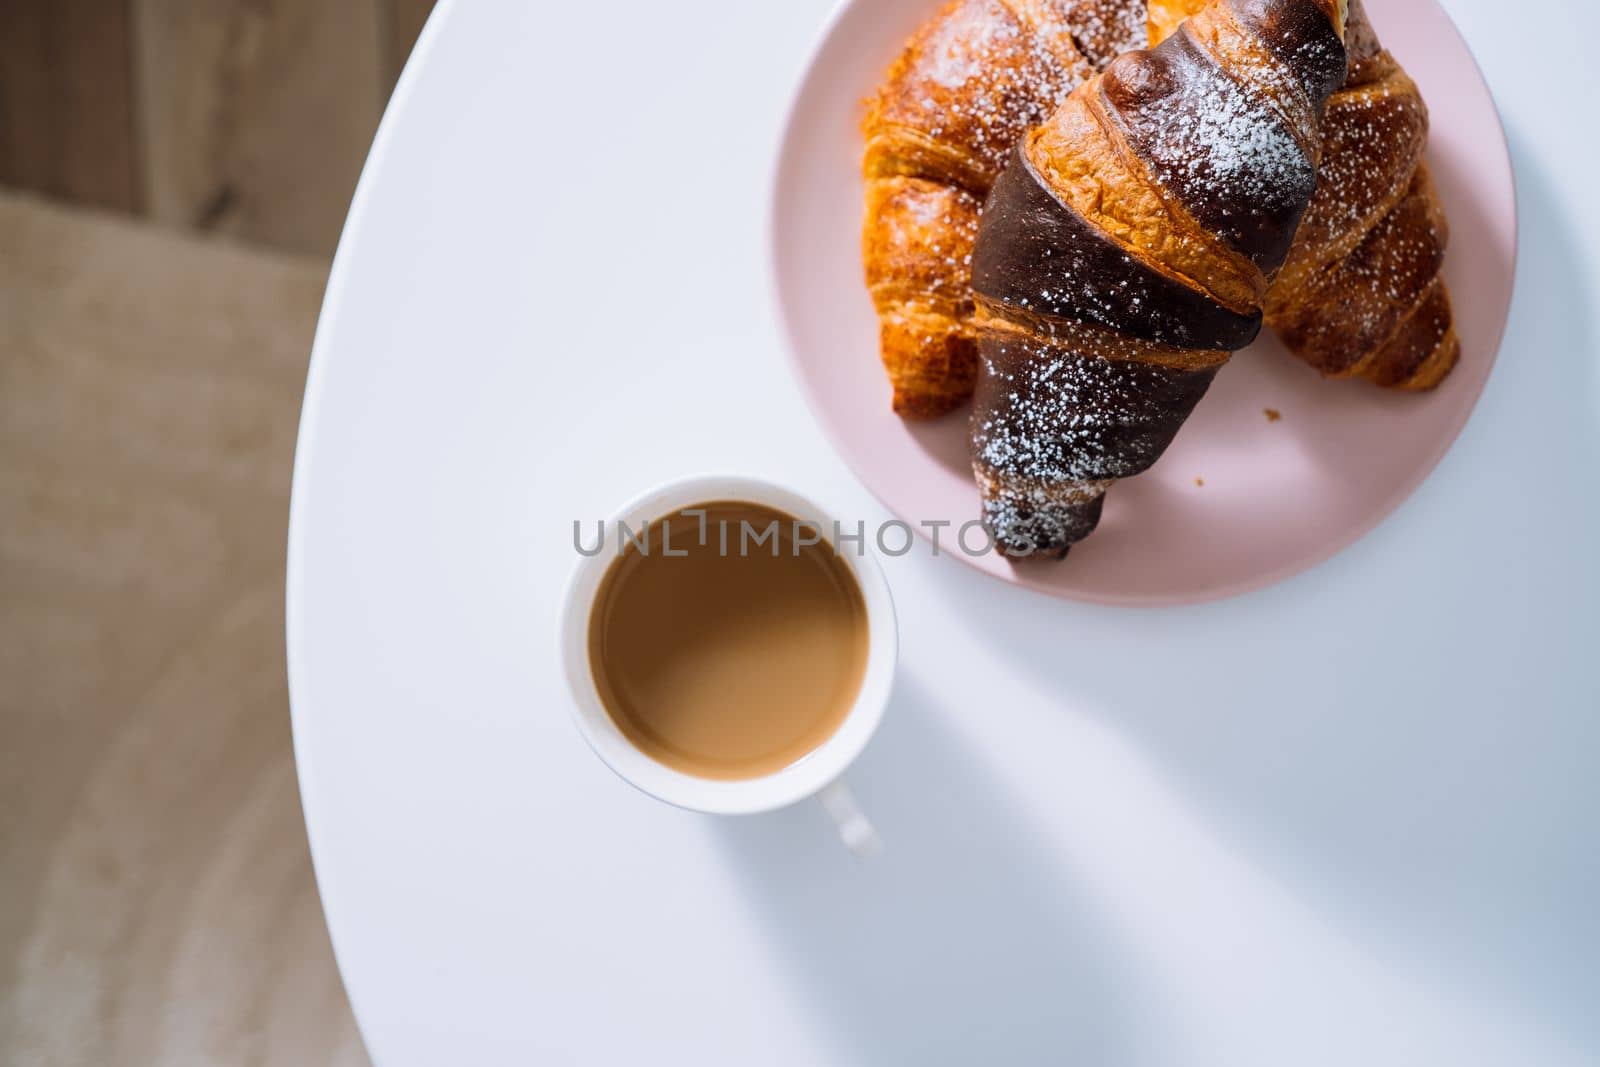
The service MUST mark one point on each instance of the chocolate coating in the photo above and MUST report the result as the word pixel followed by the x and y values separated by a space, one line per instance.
pixel 1223 151
pixel 1045 411
pixel 1048 416
pixel 1043 531
pixel 1301 35
pixel 1037 254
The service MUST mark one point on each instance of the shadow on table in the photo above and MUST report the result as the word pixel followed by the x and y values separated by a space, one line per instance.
pixel 961 943
pixel 1446 831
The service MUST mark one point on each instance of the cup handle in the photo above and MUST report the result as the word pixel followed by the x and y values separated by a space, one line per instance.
pixel 855 829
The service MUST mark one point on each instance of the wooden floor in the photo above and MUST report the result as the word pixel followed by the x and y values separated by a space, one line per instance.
pixel 157 904
pixel 173 178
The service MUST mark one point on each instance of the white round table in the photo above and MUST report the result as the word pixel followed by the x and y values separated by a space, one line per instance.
pixel 1348 819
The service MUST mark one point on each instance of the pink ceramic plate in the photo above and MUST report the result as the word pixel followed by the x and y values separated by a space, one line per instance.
pixel 1239 501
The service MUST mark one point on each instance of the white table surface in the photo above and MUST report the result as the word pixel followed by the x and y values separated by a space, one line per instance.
pixel 1348 819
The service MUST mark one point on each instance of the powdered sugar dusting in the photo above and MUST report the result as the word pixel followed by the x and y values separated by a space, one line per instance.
pixel 1104 29
pixel 1216 139
pixel 1034 520
pixel 1372 139
pixel 983 72
pixel 1057 417
pixel 988 78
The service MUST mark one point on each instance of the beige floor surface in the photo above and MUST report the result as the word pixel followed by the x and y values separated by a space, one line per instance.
pixel 156 897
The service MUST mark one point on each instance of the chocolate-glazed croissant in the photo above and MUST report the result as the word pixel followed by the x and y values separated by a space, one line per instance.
pixel 1124 254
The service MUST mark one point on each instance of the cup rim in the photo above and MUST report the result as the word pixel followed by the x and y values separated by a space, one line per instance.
pixel 799 780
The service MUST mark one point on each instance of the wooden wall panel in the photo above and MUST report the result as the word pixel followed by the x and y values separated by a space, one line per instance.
pixel 66 114
pixel 402 22
pixel 255 115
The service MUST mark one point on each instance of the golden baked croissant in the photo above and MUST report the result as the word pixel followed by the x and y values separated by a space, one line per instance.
pixel 938 132
pixel 1360 294
pixel 1124 253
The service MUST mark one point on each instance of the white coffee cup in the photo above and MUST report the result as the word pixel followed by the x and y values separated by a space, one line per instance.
pixel 815 774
